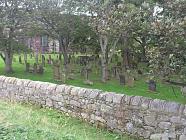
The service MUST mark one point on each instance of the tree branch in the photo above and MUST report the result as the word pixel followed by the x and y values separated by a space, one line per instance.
pixel 113 49
pixel 137 40
pixel 1 55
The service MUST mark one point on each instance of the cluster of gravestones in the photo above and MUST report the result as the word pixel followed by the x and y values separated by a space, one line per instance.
pixel 119 71
pixel 35 68
pixel 85 62
pixel 116 71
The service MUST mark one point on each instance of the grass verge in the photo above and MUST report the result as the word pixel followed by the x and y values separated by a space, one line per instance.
pixel 28 122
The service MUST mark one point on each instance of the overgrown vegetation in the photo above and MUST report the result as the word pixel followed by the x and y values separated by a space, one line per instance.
pixel 25 122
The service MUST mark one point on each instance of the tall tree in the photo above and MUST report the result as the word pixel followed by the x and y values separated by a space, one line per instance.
pixel 110 19
pixel 58 20
pixel 13 18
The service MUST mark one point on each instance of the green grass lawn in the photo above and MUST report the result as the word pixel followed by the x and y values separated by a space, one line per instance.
pixel 164 91
pixel 26 122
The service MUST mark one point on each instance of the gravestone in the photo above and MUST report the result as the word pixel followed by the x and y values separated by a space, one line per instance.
pixel 152 85
pixel 140 72
pixel 20 60
pixel 50 59
pixel 183 91
pixel 35 68
pixel 57 73
pixel 83 60
pixel 40 69
pixel 43 60
pixel 27 67
pixel 130 81
pixel 87 72
pixel 122 79
pixel 69 58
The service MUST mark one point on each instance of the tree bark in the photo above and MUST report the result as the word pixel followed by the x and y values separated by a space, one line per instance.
pixel 113 50
pixel 8 61
pixel 37 58
pixel 25 57
pixel 143 45
pixel 104 58
pixel 65 55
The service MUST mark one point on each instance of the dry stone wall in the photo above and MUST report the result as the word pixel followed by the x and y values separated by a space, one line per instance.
pixel 148 118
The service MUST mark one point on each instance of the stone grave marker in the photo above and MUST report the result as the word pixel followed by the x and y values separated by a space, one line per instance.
pixel 40 69
pixel 87 72
pixel 122 79
pixel 20 60
pixel 183 91
pixel 35 68
pixel 152 85
pixel 50 60
pixel 43 60
pixel 130 81
pixel 57 73
pixel 27 67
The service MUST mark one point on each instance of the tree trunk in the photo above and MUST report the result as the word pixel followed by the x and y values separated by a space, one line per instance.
pixel 60 56
pixel 104 58
pixel 25 57
pixel 113 50
pixel 37 58
pixel 65 55
pixel 8 62
pixel 143 45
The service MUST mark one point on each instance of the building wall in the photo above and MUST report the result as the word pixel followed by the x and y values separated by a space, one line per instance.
pixel 143 117
pixel 42 44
